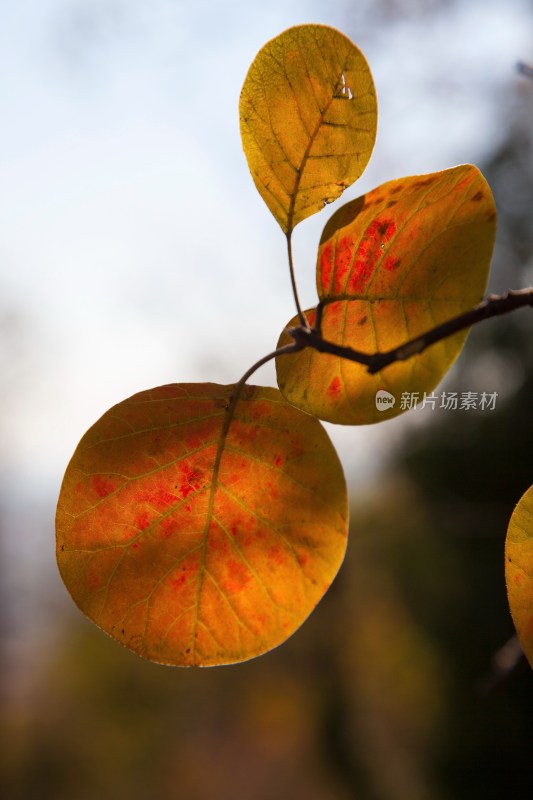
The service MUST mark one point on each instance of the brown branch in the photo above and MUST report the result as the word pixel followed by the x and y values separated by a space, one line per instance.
pixel 374 362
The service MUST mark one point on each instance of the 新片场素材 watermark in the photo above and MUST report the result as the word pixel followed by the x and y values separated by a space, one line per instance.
pixel 448 401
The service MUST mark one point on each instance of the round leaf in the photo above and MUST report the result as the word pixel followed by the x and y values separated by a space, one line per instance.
pixel 193 543
pixel 308 119
pixel 519 571
pixel 391 265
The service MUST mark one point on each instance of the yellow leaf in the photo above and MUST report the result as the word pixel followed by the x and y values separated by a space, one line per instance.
pixel 193 543
pixel 519 571
pixel 308 120
pixel 391 265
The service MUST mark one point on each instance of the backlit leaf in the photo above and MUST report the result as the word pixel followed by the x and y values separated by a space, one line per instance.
pixel 190 558
pixel 519 571
pixel 391 265
pixel 308 120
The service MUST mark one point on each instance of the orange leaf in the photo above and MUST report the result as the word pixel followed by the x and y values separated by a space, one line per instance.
pixel 308 120
pixel 195 544
pixel 519 571
pixel 392 264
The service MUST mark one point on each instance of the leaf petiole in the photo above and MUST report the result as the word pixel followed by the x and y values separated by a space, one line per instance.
pixel 301 316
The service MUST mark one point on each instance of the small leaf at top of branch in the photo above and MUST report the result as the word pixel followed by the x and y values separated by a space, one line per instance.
pixel 308 120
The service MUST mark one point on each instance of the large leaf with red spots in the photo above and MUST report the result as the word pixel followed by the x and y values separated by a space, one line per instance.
pixel 196 530
pixel 392 264
pixel 519 571
pixel 308 119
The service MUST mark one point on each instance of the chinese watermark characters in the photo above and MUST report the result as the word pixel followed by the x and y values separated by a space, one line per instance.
pixel 447 401
pixel 450 401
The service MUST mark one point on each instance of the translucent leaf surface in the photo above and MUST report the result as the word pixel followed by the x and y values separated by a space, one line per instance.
pixel 190 546
pixel 519 571
pixel 308 120
pixel 392 264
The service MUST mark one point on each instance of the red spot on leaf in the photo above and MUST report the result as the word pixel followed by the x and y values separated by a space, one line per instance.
pixel 392 263
pixel 335 387
pixel 160 498
pixel 343 257
pixel 195 476
pixel 102 487
pixel 276 555
pixel 182 576
pixel 142 521
pixel 369 253
pixel 191 480
pixel 168 528
pixel 238 576
pixel 326 265
pixel 278 461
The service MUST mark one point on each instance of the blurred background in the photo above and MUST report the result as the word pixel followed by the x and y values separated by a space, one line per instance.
pixel 133 251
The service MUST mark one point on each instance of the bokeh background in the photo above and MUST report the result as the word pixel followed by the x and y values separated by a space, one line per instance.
pixel 135 251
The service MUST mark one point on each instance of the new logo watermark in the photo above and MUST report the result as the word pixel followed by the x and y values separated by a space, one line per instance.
pixel 384 400
pixel 449 401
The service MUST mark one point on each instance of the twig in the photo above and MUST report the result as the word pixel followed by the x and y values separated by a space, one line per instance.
pixel 374 362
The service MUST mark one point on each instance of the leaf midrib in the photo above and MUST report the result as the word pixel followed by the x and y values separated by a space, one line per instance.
pixel 228 417
pixel 301 169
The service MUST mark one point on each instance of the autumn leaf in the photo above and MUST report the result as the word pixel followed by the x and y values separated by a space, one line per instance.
pixel 519 571
pixel 195 543
pixel 308 120
pixel 391 265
